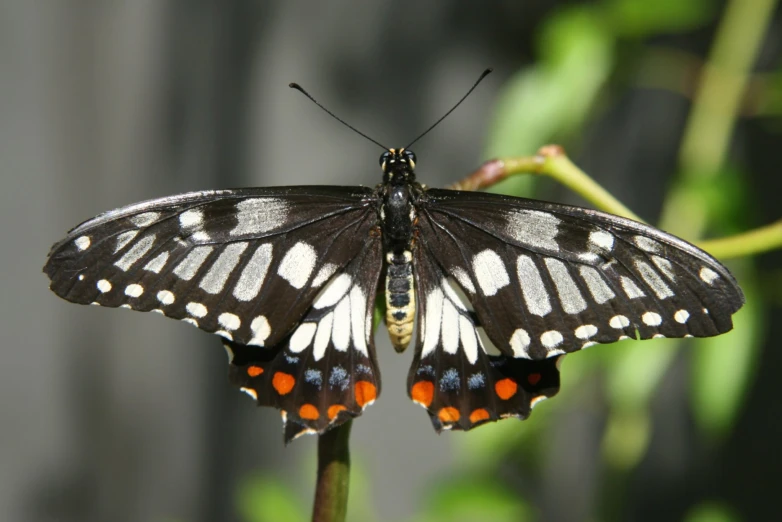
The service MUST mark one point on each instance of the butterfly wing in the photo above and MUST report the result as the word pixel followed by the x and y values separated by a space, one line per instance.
pixel 547 279
pixel 287 276
pixel 245 264
pixel 325 372
pixel 454 375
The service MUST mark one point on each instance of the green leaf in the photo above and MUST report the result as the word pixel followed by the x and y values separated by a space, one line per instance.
pixel 712 512
pixel 641 17
pixel 263 499
pixel 474 499
pixel 552 99
pixel 723 367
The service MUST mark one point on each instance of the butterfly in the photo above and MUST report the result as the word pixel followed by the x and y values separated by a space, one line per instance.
pixel 500 288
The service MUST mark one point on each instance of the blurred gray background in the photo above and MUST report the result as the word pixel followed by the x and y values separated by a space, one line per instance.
pixel 113 415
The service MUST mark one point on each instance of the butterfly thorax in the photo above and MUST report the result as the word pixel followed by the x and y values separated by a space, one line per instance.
pixel 397 215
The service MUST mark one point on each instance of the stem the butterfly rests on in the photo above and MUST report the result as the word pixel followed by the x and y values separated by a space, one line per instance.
pixel 331 488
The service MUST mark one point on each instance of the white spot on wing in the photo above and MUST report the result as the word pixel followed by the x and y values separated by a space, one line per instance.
pixel 196 309
pixel 125 238
pixel 322 337
pixel 708 275
pixel 157 264
pixel 134 290
pixel 519 342
pixel 601 239
pixel 646 244
pixel 551 339
pixel 681 316
pixel 585 331
pixel 599 289
pixel 652 319
pixel 534 228
pixel 453 293
pixel 229 321
pixel 104 286
pixel 569 295
pixel 297 264
pixel 254 273
pixel 665 267
pixel 259 215
pixel 134 253
pixel 325 272
pixel 653 279
pixel 434 314
pixel 333 292
pixel 341 333
pixel 188 267
pixel 619 322
pixel 490 272
pixel 165 297
pixel 215 278
pixel 191 218
pixel 450 327
pixel 360 326
pixel 302 337
pixel 464 279
pixel 249 391
pixel 145 219
pixel 630 288
pixel 469 339
pixel 261 330
pixel 532 287
pixel 82 243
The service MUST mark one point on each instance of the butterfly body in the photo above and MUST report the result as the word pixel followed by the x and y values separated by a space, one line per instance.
pixel 500 288
pixel 397 215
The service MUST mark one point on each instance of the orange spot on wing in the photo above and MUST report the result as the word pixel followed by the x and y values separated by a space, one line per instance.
pixel 423 392
pixel 309 412
pixel 533 378
pixel 334 410
pixel 506 388
pixel 365 393
pixel 479 415
pixel 254 371
pixel 283 382
pixel 448 414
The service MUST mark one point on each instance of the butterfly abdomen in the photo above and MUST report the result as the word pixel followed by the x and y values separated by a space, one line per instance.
pixel 400 299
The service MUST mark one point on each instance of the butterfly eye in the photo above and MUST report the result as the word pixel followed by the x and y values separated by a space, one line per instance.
pixel 410 155
pixel 384 158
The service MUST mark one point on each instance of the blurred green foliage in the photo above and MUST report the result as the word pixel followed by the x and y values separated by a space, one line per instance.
pixel 580 50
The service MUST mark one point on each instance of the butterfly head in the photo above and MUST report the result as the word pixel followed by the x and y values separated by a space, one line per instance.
pixel 398 165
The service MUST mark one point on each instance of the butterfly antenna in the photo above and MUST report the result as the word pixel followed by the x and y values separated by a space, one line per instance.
pixel 343 122
pixel 483 75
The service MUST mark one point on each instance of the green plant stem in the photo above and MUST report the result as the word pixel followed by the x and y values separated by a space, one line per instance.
pixel 716 106
pixel 331 489
pixel 552 161
pixel 756 241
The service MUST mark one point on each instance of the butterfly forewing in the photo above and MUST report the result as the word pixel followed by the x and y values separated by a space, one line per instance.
pixel 245 264
pixel 546 279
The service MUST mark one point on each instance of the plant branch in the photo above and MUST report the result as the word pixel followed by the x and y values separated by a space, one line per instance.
pixel 331 489
pixel 756 241
pixel 552 161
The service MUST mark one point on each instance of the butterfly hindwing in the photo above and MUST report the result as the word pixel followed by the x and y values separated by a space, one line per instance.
pixel 325 371
pixel 547 279
pixel 454 375
pixel 245 264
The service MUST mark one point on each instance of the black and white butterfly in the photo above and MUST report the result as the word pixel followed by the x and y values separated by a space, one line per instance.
pixel 500 288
